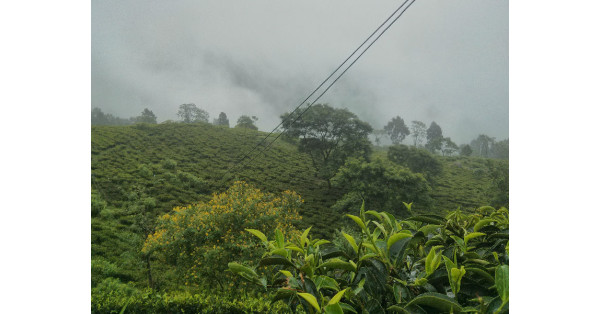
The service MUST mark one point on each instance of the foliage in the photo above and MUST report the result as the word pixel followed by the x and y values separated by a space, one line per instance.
pixel 101 118
pixel 381 185
pixel 397 130
pixel 200 239
pixel 222 120
pixel 117 297
pixel 329 136
pixel 422 264
pixel 147 116
pixel 419 131
pixel 189 113
pixel 500 149
pixel 499 184
pixel 466 150
pixel 416 159
pixel 434 137
pixel 448 147
pixel 98 204
pixel 247 122
pixel 482 145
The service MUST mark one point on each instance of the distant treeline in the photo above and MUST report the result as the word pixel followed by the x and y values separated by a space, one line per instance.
pixel 430 138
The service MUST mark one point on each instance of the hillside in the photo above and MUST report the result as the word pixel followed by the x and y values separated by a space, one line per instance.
pixel 179 164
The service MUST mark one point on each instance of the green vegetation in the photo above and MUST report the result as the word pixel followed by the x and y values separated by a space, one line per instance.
pixel 166 212
pixel 423 264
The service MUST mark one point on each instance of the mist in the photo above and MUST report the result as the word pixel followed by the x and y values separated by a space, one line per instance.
pixel 442 61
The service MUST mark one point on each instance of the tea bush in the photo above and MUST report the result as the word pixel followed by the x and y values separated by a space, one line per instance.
pixel 422 264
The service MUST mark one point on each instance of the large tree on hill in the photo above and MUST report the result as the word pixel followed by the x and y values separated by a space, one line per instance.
pixel 189 113
pixel 397 130
pixel 329 136
pixel 419 131
pixel 222 120
pixel 448 147
pixel 147 116
pixel 247 122
pixel 434 137
pixel 482 145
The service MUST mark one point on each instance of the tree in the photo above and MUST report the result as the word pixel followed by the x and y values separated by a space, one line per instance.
pixel 222 120
pixel 434 137
pixel 448 147
pixel 482 145
pixel 378 135
pixel 416 159
pixel 101 118
pixel 466 150
pixel 200 239
pixel 419 131
pixel 382 185
pixel 397 130
pixel 147 116
pixel 189 113
pixel 247 122
pixel 500 149
pixel 329 136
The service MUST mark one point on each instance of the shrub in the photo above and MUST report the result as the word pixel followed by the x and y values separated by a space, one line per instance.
pixel 382 185
pixel 200 239
pixel 422 264
pixel 416 159
pixel 98 204
pixel 169 163
pixel 144 171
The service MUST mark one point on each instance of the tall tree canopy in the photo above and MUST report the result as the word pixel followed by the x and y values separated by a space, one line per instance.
pixel 329 136
pixel 448 147
pixel 482 145
pixel 247 122
pixel 434 137
pixel 397 130
pixel 189 113
pixel 222 120
pixel 419 131
pixel 147 116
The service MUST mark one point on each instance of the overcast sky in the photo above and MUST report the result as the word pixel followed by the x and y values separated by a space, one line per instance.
pixel 443 60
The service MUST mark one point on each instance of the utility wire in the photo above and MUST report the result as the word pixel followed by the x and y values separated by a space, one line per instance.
pixel 242 163
pixel 316 89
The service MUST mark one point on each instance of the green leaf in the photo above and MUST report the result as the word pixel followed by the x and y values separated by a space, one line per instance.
pixel 286 273
pixel 457 275
pixel 295 248
pixel 351 240
pixel 430 219
pixel 432 261
pixel 336 263
pixel 241 269
pixel 337 297
pixel 347 307
pixel 380 226
pixel 304 237
pixel 321 242
pixel 396 237
pixel 275 260
pixel 359 222
pixel 282 252
pixel 482 223
pixel 324 282
pixel 368 255
pixel 311 300
pixel 334 309
pixel 408 206
pixel 283 294
pixel 373 213
pixel 502 282
pixel 259 234
pixel 397 309
pixel 473 235
pixel 480 273
pixel 438 301
pixel 279 239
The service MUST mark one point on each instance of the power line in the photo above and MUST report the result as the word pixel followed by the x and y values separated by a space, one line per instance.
pixel 316 89
pixel 242 163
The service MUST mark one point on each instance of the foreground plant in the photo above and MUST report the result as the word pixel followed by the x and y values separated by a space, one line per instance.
pixel 423 264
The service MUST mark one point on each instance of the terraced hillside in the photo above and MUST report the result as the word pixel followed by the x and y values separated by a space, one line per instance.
pixel 177 164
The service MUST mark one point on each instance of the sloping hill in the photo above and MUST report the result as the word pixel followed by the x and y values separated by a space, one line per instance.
pixel 178 164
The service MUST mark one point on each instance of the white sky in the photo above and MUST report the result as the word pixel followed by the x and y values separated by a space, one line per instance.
pixel 443 61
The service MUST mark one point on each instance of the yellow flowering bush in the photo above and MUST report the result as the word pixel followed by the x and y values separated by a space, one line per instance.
pixel 200 239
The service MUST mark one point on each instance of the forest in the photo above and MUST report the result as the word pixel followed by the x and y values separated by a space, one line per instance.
pixel 334 217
